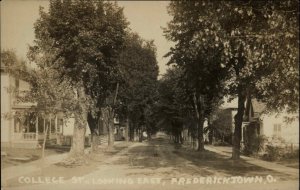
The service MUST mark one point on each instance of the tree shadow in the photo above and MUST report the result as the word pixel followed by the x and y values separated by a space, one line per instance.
pixel 222 164
pixel 161 156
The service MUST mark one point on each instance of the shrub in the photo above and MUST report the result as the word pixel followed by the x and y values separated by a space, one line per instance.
pixel 221 143
pixel 273 153
pixel 255 145
pixel 277 149
pixel 291 154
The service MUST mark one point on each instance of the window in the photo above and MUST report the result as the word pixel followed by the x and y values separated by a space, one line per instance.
pixel 60 123
pixel 277 130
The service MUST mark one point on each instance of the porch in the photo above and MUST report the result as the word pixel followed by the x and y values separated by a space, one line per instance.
pixel 30 130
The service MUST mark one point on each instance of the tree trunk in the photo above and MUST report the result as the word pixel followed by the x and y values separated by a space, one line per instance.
pixel 108 122
pixel 238 118
pixel 93 125
pixel 199 114
pixel 200 135
pixel 149 135
pixel 210 132
pixel 77 149
pixel 210 137
pixel 95 142
pixel 181 137
pixel 140 135
pixel 131 131
pixel 111 129
pixel 111 116
pixel 135 134
pixel 127 130
pixel 44 142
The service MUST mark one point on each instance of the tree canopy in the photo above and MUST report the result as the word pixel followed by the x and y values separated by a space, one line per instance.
pixel 138 89
pixel 81 41
pixel 235 48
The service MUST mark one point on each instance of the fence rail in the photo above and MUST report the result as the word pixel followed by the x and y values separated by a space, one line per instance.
pixel 29 136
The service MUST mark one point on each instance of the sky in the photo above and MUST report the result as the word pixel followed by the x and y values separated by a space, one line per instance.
pixel 145 17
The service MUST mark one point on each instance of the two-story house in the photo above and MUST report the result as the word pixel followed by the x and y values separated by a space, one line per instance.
pixel 21 127
pixel 269 124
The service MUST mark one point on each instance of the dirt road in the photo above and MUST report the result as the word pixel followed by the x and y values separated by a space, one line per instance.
pixel 160 164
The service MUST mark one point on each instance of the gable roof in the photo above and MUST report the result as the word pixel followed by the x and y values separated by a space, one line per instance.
pixel 233 104
pixel 258 106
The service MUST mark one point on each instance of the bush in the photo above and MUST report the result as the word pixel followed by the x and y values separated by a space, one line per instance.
pixel 273 153
pixel 221 143
pixel 254 146
pixel 291 154
pixel 277 149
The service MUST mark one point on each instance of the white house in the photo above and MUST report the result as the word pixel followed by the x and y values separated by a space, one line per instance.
pixel 29 130
pixel 272 125
pixel 276 126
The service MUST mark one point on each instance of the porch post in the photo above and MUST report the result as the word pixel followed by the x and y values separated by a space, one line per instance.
pixel 36 128
pixel 242 139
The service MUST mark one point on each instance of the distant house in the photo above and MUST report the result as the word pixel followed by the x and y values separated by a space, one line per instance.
pixel 119 130
pixel 272 125
pixel 223 123
pixel 27 131
pixel 252 125
pixel 228 110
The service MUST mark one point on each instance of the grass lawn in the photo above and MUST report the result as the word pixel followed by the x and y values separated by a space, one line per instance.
pixel 58 170
pixel 16 156
pixel 293 163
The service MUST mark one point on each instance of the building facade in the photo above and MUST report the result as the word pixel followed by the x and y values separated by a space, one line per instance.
pixel 23 128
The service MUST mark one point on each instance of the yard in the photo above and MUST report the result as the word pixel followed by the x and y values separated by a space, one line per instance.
pixel 15 156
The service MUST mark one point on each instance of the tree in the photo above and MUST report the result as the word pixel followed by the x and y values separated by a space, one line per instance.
pixel 80 41
pixel 254 33
pixel 198 52
pixel 219 125
pixel 248 37
pixel 173 107
pixel 46 102
pixel 138 87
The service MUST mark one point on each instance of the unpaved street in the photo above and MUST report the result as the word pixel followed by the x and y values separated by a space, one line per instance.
pixel 159 164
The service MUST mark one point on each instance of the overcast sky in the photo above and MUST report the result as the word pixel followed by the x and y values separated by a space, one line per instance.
pixel 145 17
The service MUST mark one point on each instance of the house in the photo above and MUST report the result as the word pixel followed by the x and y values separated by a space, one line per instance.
pixel 224 118
pixel 257 122
pixel 222 124
pixel 119 129
pixel 252 126
pixel 189 133
pixel 21 127
pixel 277 126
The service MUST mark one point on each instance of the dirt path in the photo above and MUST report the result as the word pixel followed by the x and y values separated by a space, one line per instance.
pixel 161 165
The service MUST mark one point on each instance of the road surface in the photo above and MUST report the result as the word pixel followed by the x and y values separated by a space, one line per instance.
pixel 159 164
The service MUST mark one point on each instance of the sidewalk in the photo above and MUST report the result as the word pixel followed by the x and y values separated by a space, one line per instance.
pixel 34 166
pixel 226 151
